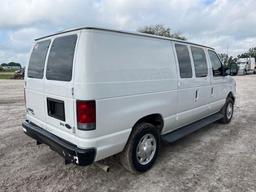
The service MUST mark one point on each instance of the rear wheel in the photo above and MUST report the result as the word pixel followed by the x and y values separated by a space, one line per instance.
pixel 227 111
pixel 142 148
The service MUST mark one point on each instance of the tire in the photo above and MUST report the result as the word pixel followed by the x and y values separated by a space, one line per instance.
pixel 227 111
pixel 130 157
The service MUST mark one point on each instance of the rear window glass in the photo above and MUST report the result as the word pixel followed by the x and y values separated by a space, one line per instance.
pixel 200 62
pixel 184 61
pixel 60 61
pixel 37 60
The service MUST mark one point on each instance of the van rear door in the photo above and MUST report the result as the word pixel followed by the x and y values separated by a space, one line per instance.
pixel 60 114
pixel 34 90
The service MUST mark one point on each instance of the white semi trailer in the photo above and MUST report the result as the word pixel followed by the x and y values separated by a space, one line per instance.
pixel 246 65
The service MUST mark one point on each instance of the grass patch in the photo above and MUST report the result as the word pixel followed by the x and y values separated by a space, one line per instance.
pixel 6 75
pixel 8 70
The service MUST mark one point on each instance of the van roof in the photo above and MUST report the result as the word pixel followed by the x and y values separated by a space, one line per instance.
pixel 124 32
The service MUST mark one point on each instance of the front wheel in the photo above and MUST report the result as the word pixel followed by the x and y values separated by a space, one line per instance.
pixel 142 148
pixel 227 111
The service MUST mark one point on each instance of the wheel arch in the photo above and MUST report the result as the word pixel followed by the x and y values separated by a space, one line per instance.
pixel 155 119
pixel 231 95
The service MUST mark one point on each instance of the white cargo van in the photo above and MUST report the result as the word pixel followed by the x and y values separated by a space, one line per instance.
pixel 92 93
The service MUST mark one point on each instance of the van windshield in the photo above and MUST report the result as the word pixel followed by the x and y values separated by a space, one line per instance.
pixel 37 60
pixel 60 61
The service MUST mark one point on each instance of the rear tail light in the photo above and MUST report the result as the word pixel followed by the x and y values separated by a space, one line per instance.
pixel 86 115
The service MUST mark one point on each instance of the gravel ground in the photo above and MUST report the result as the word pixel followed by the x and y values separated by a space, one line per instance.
pixel 216 158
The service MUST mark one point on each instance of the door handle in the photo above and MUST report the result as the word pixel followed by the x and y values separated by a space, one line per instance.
pixel 212 91
pixel 196 95
pixel 67 126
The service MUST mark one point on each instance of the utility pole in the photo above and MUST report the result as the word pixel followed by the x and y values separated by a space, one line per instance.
pixel 227 48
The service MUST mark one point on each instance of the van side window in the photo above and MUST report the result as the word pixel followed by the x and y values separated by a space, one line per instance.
pixel 60 61
pixel 216 63
pixel 200 62
pixel 184 61
pixel 37 60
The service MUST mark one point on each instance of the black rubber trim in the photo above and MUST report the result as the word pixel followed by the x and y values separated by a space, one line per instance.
pixel 188 129
pixel 70 152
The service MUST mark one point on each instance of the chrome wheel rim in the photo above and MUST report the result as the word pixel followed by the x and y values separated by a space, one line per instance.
pixel 229 110
pixel 146 149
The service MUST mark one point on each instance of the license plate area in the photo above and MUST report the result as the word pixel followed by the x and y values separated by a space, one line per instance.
pixel 56 109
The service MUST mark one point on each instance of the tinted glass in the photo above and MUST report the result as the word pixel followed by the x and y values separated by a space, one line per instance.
pixel 216 64
pixel 37 60
pixel 184 61
pixel 60 61
pixel 200 62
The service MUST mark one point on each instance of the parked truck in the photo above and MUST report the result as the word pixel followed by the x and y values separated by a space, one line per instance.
pixel 246 65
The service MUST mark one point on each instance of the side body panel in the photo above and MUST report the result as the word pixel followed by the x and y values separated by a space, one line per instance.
pixel 203 88
pixel 221 86
pixel 193 96
pixel 129 77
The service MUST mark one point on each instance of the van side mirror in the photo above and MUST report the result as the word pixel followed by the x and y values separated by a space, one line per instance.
pixel 226 70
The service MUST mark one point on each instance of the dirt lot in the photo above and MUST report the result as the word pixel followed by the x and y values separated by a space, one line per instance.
pixel 216 158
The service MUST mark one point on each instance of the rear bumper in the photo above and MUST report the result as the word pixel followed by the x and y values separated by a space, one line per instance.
pixel 69 151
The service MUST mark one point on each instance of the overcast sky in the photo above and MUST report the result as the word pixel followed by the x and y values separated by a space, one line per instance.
pixel 227 25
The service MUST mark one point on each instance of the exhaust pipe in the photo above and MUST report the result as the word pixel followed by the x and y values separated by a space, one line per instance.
pixel 102 166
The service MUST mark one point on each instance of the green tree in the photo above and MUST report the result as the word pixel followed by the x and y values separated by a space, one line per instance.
pixel 14 64
pixel 250 53
pixel 243 55
pixel 230 62
pixel 160 30
pixel 226 59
